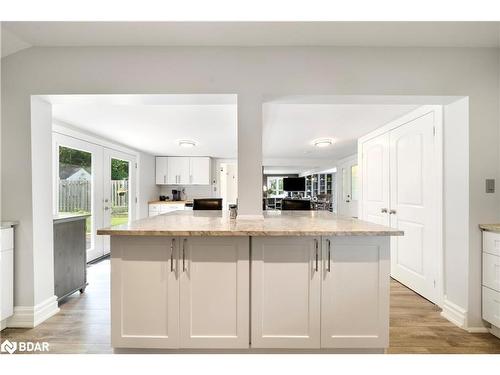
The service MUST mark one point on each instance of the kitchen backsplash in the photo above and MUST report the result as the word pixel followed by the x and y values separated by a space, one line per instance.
pixel 193 191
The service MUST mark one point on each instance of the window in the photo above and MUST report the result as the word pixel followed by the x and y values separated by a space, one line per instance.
pixel 275 186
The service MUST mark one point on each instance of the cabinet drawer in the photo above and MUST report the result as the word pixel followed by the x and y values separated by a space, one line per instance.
pixel 491 306
pixel 491 271
pixel 491 243
pixel 7 238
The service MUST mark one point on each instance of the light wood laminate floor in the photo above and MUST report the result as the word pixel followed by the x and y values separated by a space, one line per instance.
pixel 83 325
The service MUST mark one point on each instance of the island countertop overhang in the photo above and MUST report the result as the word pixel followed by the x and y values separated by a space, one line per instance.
pixel 273 223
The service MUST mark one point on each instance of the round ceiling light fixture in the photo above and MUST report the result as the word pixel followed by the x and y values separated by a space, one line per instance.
pixel 323 142
pixel 187 143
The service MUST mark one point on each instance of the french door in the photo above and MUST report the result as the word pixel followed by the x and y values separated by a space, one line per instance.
pixel 118 190
pixel 400 189
pixel 93 180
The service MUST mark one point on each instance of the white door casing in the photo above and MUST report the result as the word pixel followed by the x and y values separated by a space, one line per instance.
pixel 144 292
pixel 355 266
pixel 286 288
pixel 214 292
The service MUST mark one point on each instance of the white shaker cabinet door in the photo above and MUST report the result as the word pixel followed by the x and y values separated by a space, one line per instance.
pixel 199 171
pixel 144 292
pixel 214 292
pixel 286 292
pixel 161 170
pixel 178 170
pixel 355 292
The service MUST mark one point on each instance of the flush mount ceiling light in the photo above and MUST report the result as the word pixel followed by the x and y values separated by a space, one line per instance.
pixel 187 143
pixel 323 142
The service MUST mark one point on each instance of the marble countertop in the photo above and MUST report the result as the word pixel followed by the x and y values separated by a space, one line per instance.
pixel 273 223
pixel 8 224
pixel 490 227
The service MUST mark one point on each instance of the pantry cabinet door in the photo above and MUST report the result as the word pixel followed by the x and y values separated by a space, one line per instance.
pixel 286 292
pixel 214 292
pixel 144 292
pixel 355 292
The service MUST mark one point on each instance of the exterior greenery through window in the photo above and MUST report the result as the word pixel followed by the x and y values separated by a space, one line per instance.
pixel 275 186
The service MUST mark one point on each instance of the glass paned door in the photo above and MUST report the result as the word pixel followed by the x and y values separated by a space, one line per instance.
pixel 75 186
pixel 119 190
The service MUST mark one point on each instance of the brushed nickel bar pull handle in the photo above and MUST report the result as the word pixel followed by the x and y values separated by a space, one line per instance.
pixel 172 244
pixel 184 255
pixel 329 256
pixel 317 260
pixel 383 210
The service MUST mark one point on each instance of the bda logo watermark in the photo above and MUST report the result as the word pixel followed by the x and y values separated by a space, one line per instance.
pixel 23 346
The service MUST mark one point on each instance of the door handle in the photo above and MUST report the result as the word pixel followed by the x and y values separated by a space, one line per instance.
pixel 106 208
pixel 172 244
pixel 184 255
pixel 329 268
pixel 392 212
pixel 383 210
pixel 316 254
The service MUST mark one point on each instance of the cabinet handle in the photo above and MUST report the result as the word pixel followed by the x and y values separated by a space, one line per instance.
pixel 172 244
pixel 184 255
pixel 392 212
pixel 316 255
pixel 329 268
pixel 164 179
pixel 383 210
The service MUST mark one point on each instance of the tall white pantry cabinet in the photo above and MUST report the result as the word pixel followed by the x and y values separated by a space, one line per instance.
pixel 212 292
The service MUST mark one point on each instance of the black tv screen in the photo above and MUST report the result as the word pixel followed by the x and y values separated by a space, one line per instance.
pixel 294 184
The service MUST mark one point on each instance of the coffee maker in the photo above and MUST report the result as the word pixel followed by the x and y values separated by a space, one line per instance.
pixel 176 195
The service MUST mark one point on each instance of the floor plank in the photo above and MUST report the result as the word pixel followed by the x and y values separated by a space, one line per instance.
pixel 83 325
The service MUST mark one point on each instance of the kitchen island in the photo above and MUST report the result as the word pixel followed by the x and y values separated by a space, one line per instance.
pixel 288 281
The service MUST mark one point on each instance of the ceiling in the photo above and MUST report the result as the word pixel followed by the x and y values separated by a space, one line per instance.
pixel 155 123
pixel 289 130
pixel 20 35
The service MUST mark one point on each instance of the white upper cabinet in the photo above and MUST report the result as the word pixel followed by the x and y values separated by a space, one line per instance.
pixel 199 171
pixel 178 170
pixel 182 170
pixel 161 170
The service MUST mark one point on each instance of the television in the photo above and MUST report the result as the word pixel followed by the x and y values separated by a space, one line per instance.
pixel 294 184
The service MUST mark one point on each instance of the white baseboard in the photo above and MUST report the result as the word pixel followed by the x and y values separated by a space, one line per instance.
pixel 3 324
pixel 477 329
pixel 31 316
pixel 454 313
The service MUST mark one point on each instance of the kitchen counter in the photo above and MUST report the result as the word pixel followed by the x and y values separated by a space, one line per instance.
pixel 490 227
pixel 275 223
pixel 170 202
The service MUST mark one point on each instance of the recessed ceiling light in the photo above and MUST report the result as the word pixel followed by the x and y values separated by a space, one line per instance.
pixel 187 143
pixel 323 142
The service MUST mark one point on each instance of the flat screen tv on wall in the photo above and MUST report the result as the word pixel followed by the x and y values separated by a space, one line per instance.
pixel 294 184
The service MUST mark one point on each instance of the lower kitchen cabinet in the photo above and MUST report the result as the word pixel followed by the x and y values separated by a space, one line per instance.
pixel 174 292
pixel 355 292
pixel 144 292
pixel 214 292
pixel 286 288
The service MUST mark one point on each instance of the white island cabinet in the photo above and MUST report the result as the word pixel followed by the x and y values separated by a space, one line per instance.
pixel 289 281
pixel 180 292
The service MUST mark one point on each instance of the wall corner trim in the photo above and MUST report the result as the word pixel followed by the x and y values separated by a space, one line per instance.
pixel 454 313
pixel 31 316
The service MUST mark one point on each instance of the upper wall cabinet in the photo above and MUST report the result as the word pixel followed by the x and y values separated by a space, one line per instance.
pixel 181 170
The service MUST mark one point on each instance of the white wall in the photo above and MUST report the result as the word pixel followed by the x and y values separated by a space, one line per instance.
pixel 252 73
